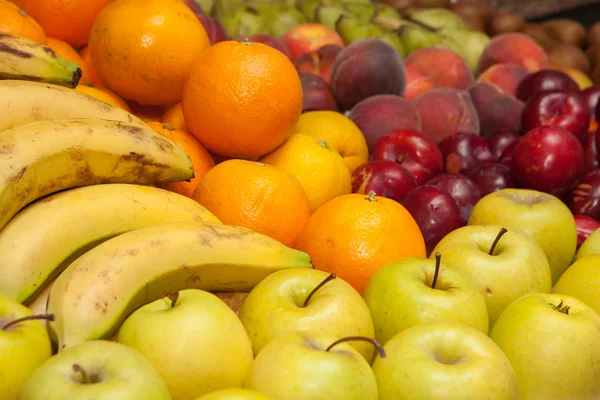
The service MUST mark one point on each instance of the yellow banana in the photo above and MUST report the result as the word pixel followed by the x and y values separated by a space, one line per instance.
pixel 24 101
pixel 43 157
pixel 38 242
pixel 24 58
pixel 94 294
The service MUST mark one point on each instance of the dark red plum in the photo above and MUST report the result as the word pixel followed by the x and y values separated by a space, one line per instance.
pixel 463 190
pixel 543 81
pixel 499 141
pixel 463 151
pixel 491 178
pixel 585 227
pixel 385 178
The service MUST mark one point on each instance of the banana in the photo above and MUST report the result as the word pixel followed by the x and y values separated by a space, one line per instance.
pixel 24 58
pixel 38 243
pixel 43 157
pixel 24 101
pixel 95 294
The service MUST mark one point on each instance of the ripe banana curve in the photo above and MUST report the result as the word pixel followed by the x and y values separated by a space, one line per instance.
pixel 43 157
pixel 24 58
pixel 42 239
pixel 95 294
pixel 24 101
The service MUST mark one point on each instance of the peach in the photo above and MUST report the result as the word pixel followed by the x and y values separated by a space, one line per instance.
pixel 497 110
pixel 308 37
pixel 445 111
pixel 365 68
pixel 505 76
pixel 319 62
pixel 417 82
pixel 444 67
pixel 516 48
pixel 317 95
pixel 381 114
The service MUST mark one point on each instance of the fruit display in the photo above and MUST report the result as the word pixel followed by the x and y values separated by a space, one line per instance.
pixel 297 200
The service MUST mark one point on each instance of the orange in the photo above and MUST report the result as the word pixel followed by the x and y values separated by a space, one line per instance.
pixel 68 20
pixel 201 160
pixel 340 133
pixel 143 50
pixel 242 99
pixel 263 198
pixel 174 117
pixel 89 74
pixel 102 94
pixel 320 170
pixel 67 52
pixel 354 235
pixel 16 21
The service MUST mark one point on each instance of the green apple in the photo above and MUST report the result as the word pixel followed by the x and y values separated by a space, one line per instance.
pixel 335 309
pixel 590 246
pixel 444 361
pixel 193 339
pixel 299 367
pixel 402 294
pixel 98 370
pixel 503 264
pixel 235 394
pixel 553 342
pixel 540 215
pixel 582 281
pixel 24 346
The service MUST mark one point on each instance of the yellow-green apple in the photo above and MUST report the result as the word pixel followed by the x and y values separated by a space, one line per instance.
pixel 540 215
pixel 24 346
pixel 235 394
pixel 582 281
pixel 553 342
pixel 99 370
pixel 193 339
pixel 306 301
pixel 504 264
pixel 299 367
pixel 412 291
pixel 590 246
pixel 444 361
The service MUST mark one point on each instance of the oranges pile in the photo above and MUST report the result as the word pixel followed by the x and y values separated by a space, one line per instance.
pixel 236 109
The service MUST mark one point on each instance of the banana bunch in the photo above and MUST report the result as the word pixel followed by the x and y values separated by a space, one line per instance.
pixel 86 236
pixel 95 293
pixel 24 58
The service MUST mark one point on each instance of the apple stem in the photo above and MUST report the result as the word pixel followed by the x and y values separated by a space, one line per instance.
pixel 323 143
pixel 47 317
pixel 173 296
pixel 560 308
pixel 438 259
pixel 374 342
pixel 319 286
pixel 84 375
pixel 495 243
pixel 371 196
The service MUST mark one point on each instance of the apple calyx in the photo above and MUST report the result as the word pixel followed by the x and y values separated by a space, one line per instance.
pixel 86 378
pixel 47 317
pixel 319 286
pixel 561 308
pixel 173 296
pixel 495 243
pixel 374 342
pixel 438 260
pixel 372 196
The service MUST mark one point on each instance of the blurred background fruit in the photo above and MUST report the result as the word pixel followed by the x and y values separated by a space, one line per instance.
pixel 18 22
